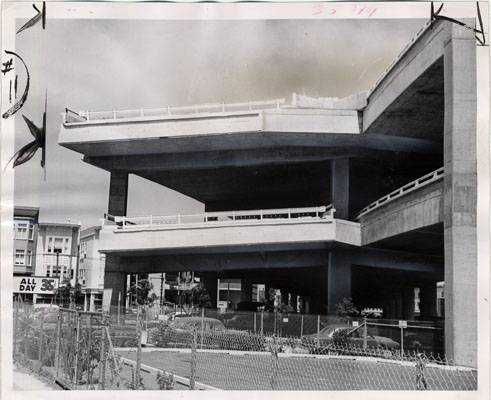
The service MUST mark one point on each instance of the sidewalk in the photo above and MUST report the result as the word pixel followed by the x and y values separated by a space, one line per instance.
pixel 23 379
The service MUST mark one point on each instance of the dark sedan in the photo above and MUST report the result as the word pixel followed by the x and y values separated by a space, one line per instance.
pixel 342 339
pixel 210 333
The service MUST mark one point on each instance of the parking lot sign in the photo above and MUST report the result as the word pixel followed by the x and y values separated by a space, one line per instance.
pixel 35 284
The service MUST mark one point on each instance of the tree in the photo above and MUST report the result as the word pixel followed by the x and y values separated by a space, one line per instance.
pixel 274 300
pixel 67 293
pixel 346 309
pixel 143 292
pixel 200 296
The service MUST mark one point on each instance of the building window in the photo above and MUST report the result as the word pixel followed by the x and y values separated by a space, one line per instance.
pixel 58 245
pixel 31 232
pixel 19 257
pixel 29 258
pixel 21 230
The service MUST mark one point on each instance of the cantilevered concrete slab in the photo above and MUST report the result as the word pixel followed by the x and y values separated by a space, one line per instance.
pixel 140 239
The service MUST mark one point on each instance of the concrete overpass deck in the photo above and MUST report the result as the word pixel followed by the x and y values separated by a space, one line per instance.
pixel 287 227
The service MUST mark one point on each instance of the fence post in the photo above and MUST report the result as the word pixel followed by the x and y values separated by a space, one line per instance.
pixel 192 376
pixel 138 354
pixel 114 362
pixel 119 308
pixel 102 361
pixel 77 339
pixel 202 327
pixel 318 328
pixel 301 325
pixel 365 333
pixel 254 322
pixel 137 318
pixel 421 383
pixel 26 335
pixel 58 340
pixel 262 322
pixel 89 347
pixel 402 342
pixel 274 365
pixel 274 323
pixel 40 343
pixel 16 317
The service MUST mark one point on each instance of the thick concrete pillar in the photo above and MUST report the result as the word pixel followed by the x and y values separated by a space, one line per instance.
pixel 114 278
pixel 118 193
pixel 246 288
pixel 92 302
pixel 427 301
pixel 408 303
pixel 338 280
pixel 209 281
pixel 460 196
pixel 340 187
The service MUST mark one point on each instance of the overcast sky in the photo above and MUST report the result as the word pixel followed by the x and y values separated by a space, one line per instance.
pixel 120 64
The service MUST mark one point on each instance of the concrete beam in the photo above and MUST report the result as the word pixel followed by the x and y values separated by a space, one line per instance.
pixel 221 262
pixel 249 140
pixel 397 260
pixel 421 55
pixel 416 210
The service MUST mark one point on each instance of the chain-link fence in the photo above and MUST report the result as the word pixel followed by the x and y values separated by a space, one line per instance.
pixel 206 350
pixel 75 349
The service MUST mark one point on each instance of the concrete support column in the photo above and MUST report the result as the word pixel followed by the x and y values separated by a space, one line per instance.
pixel 118 193
pixel 427 302
pixel 460 196
pixel 91 302
pixel 338 280
pixel 340 187
pixel 114 278
pixel 408 303
pixel 209 281
pixel 246 289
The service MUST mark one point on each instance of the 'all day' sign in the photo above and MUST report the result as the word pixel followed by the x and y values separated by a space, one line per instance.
pixel 35 284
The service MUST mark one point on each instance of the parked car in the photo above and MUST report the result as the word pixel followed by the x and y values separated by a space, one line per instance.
pixel 210 334
pixel 346 340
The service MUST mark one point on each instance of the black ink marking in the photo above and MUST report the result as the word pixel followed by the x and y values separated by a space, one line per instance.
pixel 40 16
pixel 10 91
pixel 44 15
pixel 436 16
pixel 39 142
pixel 7 66
pixel 15 85
pixel 18 105
pixel 481 25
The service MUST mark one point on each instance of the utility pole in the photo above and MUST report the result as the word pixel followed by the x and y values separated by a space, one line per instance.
pixel 57 252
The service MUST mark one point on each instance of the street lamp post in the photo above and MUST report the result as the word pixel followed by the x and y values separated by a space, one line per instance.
pixel 57 252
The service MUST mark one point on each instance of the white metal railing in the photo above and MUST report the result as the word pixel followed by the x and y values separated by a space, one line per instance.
pixel 72 117
pixel 411 186
pixel 247 217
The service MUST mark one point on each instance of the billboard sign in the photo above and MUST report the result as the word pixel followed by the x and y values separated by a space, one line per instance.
pixel 35 284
